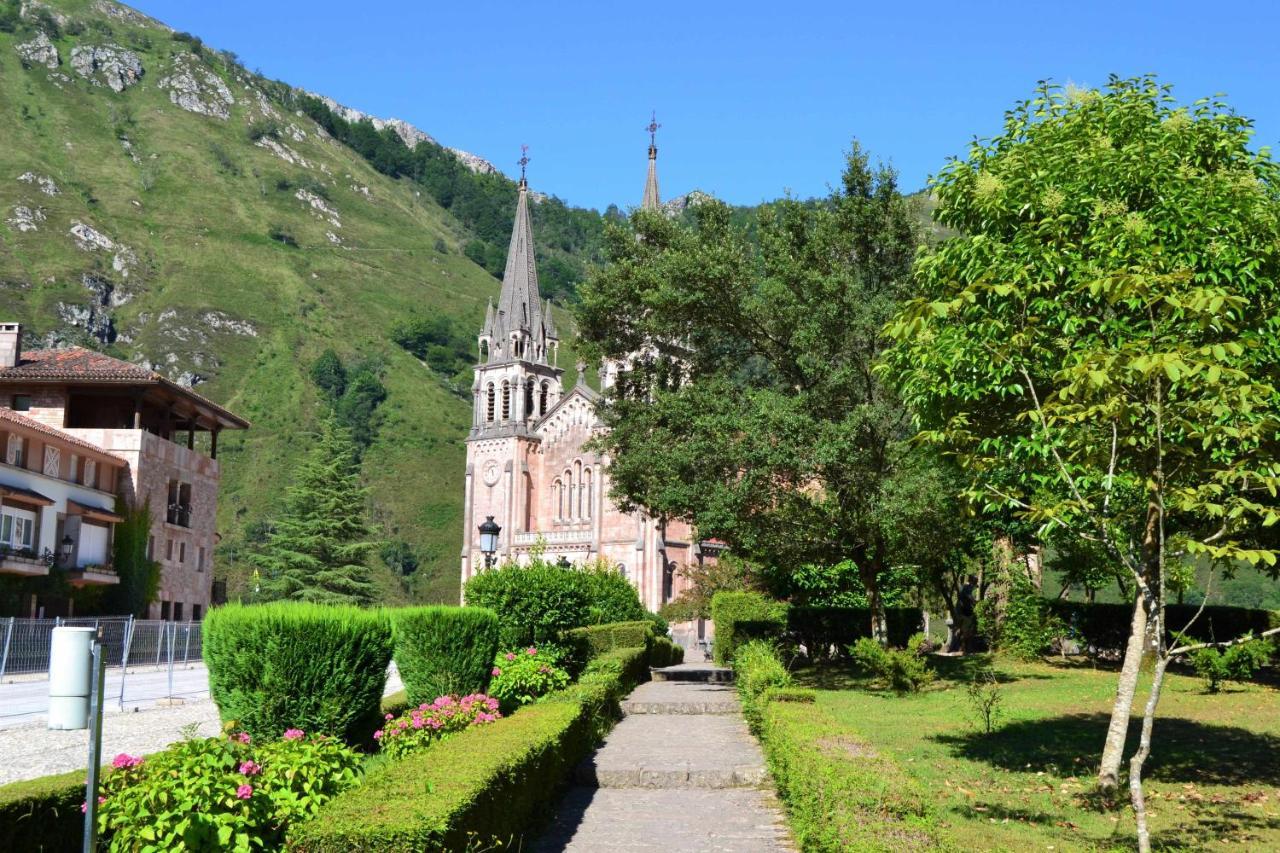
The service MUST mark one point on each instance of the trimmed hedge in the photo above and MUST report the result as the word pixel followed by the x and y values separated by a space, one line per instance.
pixel 315 667
pixel 1104 628
pixel 822 628
pixel 665 653
pixel 483 787
pixel 444 650
pixel 742 616
pixel 595 640
pixel 43 814
pixel 840 792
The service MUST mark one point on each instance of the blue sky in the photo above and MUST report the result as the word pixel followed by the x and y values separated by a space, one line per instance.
pixel 755 99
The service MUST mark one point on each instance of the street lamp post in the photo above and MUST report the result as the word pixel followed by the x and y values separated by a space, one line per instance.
pixel 489 540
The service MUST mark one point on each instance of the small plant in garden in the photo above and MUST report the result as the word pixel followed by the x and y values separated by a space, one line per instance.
pixel 1237 663
pixel 986 699
pixel 521 677
pixel 904 671
pixel 758 666
pixel 419 727
pixel 221 793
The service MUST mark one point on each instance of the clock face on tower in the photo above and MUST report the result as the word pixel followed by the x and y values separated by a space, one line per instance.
pixel 491 473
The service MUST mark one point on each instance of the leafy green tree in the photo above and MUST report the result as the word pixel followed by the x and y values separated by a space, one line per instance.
pixel 751 406
pixel 329 375
pixel 318 547
pixel 1098 348
pixel 357 408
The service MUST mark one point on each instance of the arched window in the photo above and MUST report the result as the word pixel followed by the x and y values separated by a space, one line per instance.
pixel 484 349
pixel 542 401
pixel 557 491
pixel 588 493
pixel 577 476
pixel 528 399
pixel 489 416
pixel 506 400
pixel 572 493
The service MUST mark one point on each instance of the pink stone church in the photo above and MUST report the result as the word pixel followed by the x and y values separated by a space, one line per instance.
pixel 527 464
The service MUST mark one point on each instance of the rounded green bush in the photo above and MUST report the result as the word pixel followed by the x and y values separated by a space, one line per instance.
pixel 321 668
pixel 444 650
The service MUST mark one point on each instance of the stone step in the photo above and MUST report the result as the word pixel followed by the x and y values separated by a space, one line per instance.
pixel 595 820
pixel 693 672
pixel 682 697
pixel 662 751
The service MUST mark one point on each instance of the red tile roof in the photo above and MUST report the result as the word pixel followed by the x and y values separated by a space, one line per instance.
pixel 57 434
pixel 77 364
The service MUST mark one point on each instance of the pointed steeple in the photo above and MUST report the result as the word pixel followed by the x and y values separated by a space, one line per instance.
pixel 487 330
pixel 517 328
pixel 549 322
pixel 651 200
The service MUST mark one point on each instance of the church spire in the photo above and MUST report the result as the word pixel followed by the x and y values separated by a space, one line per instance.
pixel 518 329
pixel 651 200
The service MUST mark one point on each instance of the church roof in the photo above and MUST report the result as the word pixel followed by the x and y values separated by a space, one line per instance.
pixel 651 201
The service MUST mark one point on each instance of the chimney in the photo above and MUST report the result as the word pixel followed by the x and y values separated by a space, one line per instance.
pixel 10 344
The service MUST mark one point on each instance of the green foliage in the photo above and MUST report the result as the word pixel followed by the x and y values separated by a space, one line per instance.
pixel 771 431
pixel 986 700
pixel 398 556
pixel 321 668
pixel 704 580
pixel 594 640
pixel 43 814
pixel 420 726
pixel 901 670
pixel 841 793
pixel 742 616
pixel 1236 663
pixel 484 787
pixel 318 547
pixel 758 667
pixel 440 342
pixel 9 16
pixel 826 631
pixel 357 409
pixel 1027 627
pixel 222 793
pixel 139 575
pixel 612 597
pixel 329 374
pixel 444 650
pixel 665 653
pixel 522 676
pixel 534 603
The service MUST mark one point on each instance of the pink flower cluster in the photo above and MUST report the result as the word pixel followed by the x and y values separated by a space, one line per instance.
pixel 242 737
pixel 244 792
pixel 293 734
pixel 124 760
pixel 432 720
pixel 250 767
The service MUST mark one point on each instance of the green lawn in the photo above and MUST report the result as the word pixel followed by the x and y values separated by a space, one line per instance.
pixel 1213 778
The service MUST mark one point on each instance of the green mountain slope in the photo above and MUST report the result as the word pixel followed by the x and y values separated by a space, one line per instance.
pixel 230 249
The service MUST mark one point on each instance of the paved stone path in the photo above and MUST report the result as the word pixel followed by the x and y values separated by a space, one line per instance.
pixel 681 772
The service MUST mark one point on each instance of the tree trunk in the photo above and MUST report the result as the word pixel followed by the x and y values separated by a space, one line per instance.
pixel 869 574
pixel 1118 729
pixel 1136 794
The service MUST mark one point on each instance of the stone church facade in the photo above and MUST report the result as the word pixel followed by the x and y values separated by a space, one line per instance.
pixel 527 462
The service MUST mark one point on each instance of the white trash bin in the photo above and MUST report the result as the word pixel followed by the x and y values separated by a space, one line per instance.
pixel 70 677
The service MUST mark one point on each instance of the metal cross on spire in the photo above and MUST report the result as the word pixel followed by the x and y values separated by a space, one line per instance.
pixel 653 128
pixel 523 161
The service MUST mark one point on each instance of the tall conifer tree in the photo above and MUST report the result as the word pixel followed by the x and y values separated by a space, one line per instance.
pixel 318 548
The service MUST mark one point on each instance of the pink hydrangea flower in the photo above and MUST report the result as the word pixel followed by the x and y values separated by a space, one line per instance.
pixel 244 737
pixel 84 807
pixel 244 792
pixel 377 735
pixel 293 734
pixel 531 651
pixel 124 760
pixel 390 716
pixel 250 768
pixel 511 655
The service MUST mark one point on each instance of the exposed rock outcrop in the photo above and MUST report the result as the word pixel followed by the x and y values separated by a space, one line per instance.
pixel 479 165
pixel 107 63
pixel 47 186
pixel 26 218
pixel 196 89
pixel 679 204
pixel 90 239
pixel 39 51
pixel 93 318
pixel 284 152
pixel 221 322
pixel 320 207
pixel 129 16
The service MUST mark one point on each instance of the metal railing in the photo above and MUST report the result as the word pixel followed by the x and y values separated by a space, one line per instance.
pixel 25 643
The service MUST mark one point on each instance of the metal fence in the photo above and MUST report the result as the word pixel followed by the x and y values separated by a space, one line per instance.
pixel 25 643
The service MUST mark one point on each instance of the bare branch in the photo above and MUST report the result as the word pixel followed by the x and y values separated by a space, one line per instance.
pixel 1226 644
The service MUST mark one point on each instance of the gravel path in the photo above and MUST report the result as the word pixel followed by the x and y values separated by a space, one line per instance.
pixel 31 751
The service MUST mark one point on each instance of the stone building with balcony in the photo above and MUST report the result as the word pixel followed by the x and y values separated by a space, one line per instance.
pixel 158 439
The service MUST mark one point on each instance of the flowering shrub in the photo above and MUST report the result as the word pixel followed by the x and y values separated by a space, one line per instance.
pixel 520 677
pixel 221 793
pixel 419 727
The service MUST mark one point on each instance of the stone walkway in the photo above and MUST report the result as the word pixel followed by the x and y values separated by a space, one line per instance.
pixel 681 772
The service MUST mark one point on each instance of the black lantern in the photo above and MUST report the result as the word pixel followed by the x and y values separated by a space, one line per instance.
pixel 64 551
pixel 489 540
pixel 563 562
